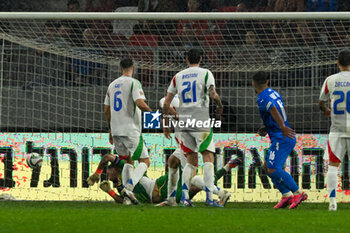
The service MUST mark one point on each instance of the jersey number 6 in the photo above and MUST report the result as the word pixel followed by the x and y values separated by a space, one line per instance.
pixel 117 101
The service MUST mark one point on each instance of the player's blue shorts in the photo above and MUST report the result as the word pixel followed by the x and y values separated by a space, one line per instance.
pixel 278 153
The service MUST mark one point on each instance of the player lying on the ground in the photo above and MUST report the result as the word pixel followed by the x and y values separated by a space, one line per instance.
pixel 283 140
pixel 155 190
pixel 335 90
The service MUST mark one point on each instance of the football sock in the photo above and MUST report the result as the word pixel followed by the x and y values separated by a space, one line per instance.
pixel 208 170
pixel 199 183
pixel 282 176
pixel 299 191
pixel 136 176
pixel 126 173
pixel 288 194
pixel 332 182
pixel 173 178
pixel 220 173
pixel 186 179
pixel 227 167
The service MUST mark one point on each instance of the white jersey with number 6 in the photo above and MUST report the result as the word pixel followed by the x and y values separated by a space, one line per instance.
pixel 121 96
pixel 192 86
pixel 336 88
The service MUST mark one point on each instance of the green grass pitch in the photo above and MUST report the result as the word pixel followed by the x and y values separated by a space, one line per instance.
pixel 62 217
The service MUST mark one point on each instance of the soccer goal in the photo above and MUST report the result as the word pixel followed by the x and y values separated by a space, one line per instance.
pixel 55 69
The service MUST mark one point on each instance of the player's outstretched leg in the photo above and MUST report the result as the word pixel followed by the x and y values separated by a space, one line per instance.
pixel 332 182
pixel 223 195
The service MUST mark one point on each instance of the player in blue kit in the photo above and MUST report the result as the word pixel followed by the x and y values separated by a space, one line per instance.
pixel 282 138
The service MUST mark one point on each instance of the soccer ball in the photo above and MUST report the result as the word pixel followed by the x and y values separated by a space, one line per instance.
pixel 34 160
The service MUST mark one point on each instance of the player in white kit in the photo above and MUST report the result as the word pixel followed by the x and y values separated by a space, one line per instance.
pixel 178 158
pixel 336 88
pixel 194 86
pixel 124 102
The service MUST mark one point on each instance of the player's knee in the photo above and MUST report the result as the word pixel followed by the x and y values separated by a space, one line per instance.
pixel 173 162
pixel 208 156
pixel 192 159
pixel 334 164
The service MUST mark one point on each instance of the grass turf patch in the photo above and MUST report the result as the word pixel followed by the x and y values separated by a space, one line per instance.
pixel 100 217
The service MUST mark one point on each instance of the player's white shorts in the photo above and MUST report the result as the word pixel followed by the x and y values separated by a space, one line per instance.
pixel 179 154
pixel 337 147
pixel 148 184
pixel 193 142
pixel 130 146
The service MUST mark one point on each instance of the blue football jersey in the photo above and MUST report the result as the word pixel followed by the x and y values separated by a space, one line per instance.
pixel 266 100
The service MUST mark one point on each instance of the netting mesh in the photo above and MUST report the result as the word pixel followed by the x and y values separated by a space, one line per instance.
pixel 54 76
pixel 86 54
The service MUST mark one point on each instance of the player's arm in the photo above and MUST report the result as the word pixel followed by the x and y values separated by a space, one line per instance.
pixel 141 104
pixel 323 107
pixel 324 97
pixel 139 97
pixel 216 98
pixel 107 113
pixel 286 131
pixel 94 178
pixel 173 113
pixel 166 113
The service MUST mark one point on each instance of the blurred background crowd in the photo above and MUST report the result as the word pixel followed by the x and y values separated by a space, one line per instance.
pixel 189 33
pixel 176 5
pixel 297 53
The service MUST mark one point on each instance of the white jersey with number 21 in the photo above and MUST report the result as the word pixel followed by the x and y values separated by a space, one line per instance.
pixel 192 86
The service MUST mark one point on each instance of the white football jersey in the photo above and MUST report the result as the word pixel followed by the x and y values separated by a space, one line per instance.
pixel 121 96
pixel 336 88
pixel 192 86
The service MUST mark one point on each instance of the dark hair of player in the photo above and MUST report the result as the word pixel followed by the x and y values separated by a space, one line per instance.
pixel 194 56
pixel 126 63
pixel 260 78
pixel 73 2
pixel 344 58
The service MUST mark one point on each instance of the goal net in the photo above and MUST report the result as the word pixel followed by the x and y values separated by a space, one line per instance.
pixel 55 69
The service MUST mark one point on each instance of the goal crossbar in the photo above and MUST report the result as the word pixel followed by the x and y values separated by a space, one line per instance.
pixel 177 16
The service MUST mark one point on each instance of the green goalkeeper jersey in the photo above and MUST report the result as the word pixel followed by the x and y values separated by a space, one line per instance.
pixel 141 194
